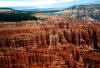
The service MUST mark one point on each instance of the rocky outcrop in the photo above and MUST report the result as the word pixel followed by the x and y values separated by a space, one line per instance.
pixel 90 12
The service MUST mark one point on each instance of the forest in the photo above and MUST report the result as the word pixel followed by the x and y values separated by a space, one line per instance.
pixel 16 16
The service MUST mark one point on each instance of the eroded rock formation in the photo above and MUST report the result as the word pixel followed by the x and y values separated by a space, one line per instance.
pixel 57 43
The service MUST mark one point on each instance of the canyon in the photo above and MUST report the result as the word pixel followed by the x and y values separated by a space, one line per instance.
pixel 56 42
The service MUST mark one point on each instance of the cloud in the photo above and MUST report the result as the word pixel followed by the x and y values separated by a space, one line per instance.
pixel 7 3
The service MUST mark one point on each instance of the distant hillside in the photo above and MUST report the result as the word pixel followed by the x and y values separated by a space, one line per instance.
pixel 34 10
pixel 6 10
pixel 84 12
pixel 11 15
pixel 43 10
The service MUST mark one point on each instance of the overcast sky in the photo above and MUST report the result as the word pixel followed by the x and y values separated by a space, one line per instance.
pixel 42 3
